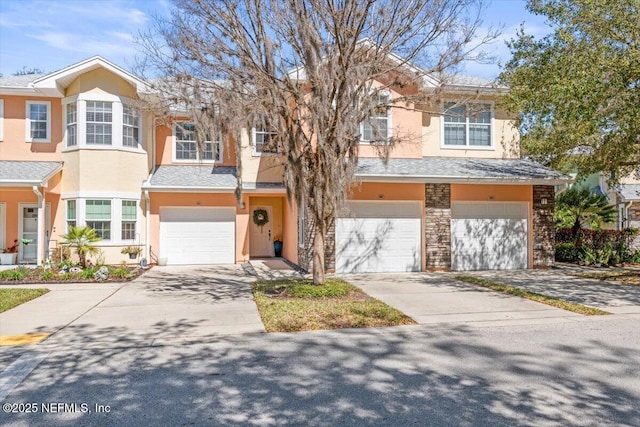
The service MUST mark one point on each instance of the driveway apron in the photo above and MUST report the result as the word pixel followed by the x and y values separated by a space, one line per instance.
pixel 170 304
pixel 431 298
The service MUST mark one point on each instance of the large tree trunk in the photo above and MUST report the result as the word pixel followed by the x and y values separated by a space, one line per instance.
pixel 318 253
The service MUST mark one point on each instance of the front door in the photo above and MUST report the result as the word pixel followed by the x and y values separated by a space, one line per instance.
pixel 261 236
pixel 28 231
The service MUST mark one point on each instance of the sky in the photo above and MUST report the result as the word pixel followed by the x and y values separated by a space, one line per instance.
pixel 50 35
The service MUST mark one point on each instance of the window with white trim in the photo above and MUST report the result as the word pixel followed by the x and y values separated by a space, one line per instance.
pixel 264 139
pixel 130 127
pixel 1 119
pixel 377 128
pixel 99 118
pixel 129 218
pixel 467 125
pixel 98 217
pixel 72 214
pixel 72 125
pixel 186 146
pixel 38 121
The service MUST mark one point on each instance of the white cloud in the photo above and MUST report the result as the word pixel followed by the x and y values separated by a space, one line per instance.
pixel 119 45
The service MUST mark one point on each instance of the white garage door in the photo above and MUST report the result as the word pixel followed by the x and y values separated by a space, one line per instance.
pixel 379 237
pixel 197 235
pixel 489 236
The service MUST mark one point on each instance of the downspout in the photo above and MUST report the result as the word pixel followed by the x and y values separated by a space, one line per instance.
pixel 147 208
pixel 41 238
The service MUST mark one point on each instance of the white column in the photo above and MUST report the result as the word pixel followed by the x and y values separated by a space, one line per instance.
pixel 116 124
pixel 42 239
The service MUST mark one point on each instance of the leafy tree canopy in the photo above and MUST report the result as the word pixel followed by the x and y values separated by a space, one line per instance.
pixel 579 207
pixel 577 90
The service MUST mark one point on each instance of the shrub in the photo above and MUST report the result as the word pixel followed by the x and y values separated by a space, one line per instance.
pixel 14 274
pixel 120 272
pixel 595 246
pixel 568 252
pixel 47 275
pixel 87 273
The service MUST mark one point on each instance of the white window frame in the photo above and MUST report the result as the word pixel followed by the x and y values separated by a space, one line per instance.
pixel 254 151
pixel 174 150
pixel 490 147
pixel 67 124
pixel 363 141
pixel 66 214
pixel 102 123
pixel 117 122
pixel 136 115
pixel 110 220
pixel 27 121
pixel 1 119
pixel 123 220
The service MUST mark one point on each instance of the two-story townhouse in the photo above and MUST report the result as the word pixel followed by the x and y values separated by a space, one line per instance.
pixel 452 195
pixel 74 151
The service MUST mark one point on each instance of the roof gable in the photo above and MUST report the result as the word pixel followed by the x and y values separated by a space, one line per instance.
pixel 54 84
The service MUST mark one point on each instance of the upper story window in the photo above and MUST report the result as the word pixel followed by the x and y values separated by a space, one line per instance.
pixel 105 122
pixel 264 139
pixel 467 125
pixel 38 121
pixel 186 145
pixel 130 126
pixel 378 127
pixel 72 125
pixel 99 118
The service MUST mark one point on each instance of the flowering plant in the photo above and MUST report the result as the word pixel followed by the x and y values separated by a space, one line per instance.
pixel 12 249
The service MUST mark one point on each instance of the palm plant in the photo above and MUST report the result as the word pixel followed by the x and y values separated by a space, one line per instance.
pixel 82 239
pixel 578 207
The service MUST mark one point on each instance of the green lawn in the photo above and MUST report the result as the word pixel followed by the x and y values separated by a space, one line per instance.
pixel 10 298
pixel 297 305
pixel 519 292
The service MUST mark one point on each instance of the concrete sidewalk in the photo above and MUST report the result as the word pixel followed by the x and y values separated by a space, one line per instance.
pixel 431 298
pixel 62 305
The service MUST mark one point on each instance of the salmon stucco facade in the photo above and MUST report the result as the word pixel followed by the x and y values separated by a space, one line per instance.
pixel 78 148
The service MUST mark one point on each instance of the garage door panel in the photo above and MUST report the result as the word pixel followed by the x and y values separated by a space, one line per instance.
pixel 371 243
pixel 488 244
pixel 197 235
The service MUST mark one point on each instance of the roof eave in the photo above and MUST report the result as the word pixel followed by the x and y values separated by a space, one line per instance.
pixel 460 180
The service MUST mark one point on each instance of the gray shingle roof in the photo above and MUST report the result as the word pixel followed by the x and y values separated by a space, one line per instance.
pixel 630 191
pixel 19 81
pixel 446 169
pixel 26 173
pixel 185 177
pixel 189 176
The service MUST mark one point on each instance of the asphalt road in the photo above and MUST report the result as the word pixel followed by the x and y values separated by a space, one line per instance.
pixel 569 373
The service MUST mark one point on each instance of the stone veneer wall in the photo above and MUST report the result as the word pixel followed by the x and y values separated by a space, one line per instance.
pixel 438 226
pixel 305 254
pixel 544 232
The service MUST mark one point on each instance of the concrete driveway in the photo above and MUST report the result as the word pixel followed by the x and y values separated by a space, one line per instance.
pixel 611 297
pixel 165 304
pixel 438 298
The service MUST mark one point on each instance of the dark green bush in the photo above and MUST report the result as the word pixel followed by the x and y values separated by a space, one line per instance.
pixel 568 252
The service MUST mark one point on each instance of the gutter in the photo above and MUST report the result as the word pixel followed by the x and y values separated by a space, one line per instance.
pixel 458 180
